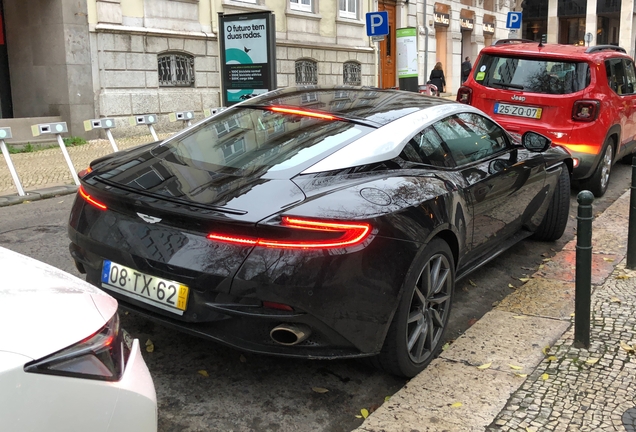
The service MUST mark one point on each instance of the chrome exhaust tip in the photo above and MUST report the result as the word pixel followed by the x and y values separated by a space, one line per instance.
pixel 290 334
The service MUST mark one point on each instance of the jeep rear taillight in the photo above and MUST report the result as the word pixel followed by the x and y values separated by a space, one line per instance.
pixel 465 95
pixel 585 110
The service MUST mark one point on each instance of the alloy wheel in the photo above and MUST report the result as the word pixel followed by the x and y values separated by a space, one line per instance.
pixel 429 309
pixel 606 166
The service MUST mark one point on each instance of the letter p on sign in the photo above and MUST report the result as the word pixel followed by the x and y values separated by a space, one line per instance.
pixel 514 20
pixel 377 23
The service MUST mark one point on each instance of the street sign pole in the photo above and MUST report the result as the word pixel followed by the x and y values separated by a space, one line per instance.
pixel 377 28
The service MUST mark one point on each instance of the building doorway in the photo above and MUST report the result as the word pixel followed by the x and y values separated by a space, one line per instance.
pixel 6 105
pixel 388 54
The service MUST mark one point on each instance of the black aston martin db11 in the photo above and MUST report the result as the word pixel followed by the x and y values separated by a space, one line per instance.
pixel 316 222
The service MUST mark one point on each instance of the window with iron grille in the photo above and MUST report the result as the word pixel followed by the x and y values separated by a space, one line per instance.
pixel 306 72
pixel 352 73
pixel 175 70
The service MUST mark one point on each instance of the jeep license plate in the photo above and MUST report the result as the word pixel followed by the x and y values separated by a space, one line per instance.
pixel 517 110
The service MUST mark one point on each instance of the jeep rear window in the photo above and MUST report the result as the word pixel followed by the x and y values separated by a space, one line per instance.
pixel 532 75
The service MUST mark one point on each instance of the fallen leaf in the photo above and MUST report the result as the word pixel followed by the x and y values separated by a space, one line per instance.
pixel 512 286
pixel 203 373
pixel 592 361
pixel 358 416
pixel 472 283
pixel 520 317
pixel 386 398
pixel 485 366
pixel 242 359
pixel 615 300
pixel 494 304
pixel 521 375
pixel 456 405
pixel 547 259
pixel 545 254
pixel 524 279
pixel 622 277
pixel 472 321
pixel 445 346
pixel 608 259
pixel 150 347
pixel 515 367
pixel 572 314
pixel 541 266
pixel 628 348
pixel 552 358
pixel 319 390
pixel 125 312
pixel 545 350
pixel 545 376
pixel 364 412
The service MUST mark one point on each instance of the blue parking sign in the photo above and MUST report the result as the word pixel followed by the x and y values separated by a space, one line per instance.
pixel 377 23
pixel 513 21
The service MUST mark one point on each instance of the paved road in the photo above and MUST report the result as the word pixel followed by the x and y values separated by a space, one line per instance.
pixel 243 392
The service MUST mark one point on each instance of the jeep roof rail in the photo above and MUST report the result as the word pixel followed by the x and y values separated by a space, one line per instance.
pixel 604 47
pixel 513 41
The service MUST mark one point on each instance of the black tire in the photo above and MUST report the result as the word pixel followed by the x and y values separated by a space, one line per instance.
pixel 420 310
pixel 556 218
pixel 597 184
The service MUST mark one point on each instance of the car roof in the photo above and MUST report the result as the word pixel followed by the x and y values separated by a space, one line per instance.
pixel 554 51
pixel 378 106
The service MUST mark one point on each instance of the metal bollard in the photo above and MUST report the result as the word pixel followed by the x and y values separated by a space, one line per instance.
pixel 57 129
pixel 184 116
pixel 583 294
pixel 146 119
pixel 102 123
pixel 630 262
pixel 5 133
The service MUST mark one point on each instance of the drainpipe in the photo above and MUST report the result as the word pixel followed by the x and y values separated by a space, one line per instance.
pixel 425 46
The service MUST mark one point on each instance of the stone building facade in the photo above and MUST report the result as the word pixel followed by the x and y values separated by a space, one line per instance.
pixel 81 59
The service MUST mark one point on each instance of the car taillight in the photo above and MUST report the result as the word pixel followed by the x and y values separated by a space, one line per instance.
pixel 89 199
pixel 83 173
pixel 101 356
pixel 465 95
pixel 585 110
pixel 309 234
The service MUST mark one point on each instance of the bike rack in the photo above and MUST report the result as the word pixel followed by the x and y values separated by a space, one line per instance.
pixel 146 119
pixel 56 129
pixel 104 123
pixel 5 133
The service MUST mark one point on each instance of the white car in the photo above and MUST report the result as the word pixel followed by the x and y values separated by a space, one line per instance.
pixel 64 363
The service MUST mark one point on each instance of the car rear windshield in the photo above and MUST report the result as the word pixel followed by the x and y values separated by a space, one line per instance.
pixel 532 75
pixel 245 139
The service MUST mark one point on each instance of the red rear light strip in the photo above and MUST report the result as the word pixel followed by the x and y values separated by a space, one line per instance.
pixel 90 199
pixel 303 113
pixel 353 233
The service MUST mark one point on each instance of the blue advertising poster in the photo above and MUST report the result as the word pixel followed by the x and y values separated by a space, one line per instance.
pixel 247 58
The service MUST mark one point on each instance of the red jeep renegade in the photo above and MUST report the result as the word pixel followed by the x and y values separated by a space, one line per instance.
pixel 583 98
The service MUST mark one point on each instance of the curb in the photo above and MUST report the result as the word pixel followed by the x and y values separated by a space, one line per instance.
pixel 508 342
pixel 38 194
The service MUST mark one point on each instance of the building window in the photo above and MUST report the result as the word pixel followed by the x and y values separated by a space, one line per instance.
pixel 175 70
pixel 301 5
pixel 306 72
pixel 352 73
pixel 348 8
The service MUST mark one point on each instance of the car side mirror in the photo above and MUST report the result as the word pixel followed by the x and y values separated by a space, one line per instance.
pixel 535 142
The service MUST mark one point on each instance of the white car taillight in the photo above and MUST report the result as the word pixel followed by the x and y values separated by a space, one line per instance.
pixel 101 356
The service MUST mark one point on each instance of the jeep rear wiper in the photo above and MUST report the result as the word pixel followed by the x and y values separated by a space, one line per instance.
pixel 515 86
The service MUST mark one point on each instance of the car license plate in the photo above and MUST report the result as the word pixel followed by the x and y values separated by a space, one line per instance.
pixel 517 110
pixel 162 293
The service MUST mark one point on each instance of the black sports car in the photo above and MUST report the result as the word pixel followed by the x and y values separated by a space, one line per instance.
pixel 316 222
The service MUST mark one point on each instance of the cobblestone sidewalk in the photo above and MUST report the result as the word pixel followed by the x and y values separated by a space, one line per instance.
pixel 576 389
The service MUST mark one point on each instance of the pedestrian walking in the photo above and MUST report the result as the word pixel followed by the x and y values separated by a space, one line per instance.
pixel 466 67
pixel 437 78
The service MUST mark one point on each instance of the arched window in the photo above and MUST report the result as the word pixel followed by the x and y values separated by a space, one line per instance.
pixel 352 73
pixel 306 72
pixel 175 70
